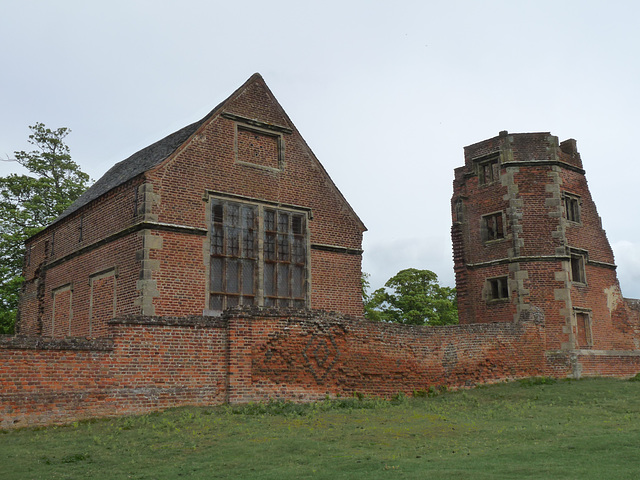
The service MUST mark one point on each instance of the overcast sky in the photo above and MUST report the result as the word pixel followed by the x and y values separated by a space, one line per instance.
pixel 386 94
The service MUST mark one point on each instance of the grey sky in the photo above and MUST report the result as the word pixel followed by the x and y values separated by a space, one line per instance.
pixel 386 94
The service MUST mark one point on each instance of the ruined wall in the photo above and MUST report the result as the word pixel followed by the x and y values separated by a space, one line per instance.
pixel 153 363
pixel 523 218
pixel 77 252
pixel 147 364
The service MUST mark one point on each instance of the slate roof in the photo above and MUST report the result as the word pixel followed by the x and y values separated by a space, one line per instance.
pixel 136 164
pixel 153 155
pixel 141 161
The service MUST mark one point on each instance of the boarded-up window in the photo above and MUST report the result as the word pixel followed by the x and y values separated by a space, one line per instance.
pixel 258 147
pixel 62 311
pixel 584 334
pixel 102 304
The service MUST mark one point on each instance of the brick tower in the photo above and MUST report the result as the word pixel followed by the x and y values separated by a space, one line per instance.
pixel 528 241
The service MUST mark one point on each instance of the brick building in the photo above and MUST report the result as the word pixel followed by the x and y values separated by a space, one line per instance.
pixel 527 240
pixel 234 209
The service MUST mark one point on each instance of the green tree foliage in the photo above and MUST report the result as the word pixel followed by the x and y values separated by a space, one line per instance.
pixel 412 297
pixel 29 202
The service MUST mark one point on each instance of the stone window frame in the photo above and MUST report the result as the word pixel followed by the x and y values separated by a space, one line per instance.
pixel 577 266
pixel 497 289
pixel 572 207
pixel 587 314
pixel 488 168
pixel 261 297
pixel 112 271
pixel 492 227
pixel 261 131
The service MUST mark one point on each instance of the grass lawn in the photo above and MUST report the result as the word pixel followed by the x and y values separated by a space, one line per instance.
pixel 529 429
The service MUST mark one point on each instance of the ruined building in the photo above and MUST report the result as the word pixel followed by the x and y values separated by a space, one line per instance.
pixel 127 302
pixel 234 209
pixel 528 241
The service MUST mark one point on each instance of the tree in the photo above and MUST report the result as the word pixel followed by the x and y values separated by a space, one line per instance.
pixel 412 297
pixel 29 202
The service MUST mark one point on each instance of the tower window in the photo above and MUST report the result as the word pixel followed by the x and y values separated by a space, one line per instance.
pixel 492 227
pixel 498 288
pixel 572 208
pixel 488 171
pixel 577 268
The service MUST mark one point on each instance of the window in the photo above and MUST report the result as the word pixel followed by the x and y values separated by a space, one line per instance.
pixel 584 334
pixel 62 311
pixel 492 227
pixel 498 288
pixel 259 147
pixel 577 268
pixel 571 207
pixel 459 210
pixel 284 259
pixel 251 242
pixel 488 171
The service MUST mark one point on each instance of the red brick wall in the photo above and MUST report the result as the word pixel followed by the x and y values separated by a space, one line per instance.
pixel 80 257
pixel 147 364
pixel 153 363
pixel 309 358
pixel 118 256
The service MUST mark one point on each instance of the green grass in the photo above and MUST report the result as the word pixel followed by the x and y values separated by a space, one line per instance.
pixel 535 428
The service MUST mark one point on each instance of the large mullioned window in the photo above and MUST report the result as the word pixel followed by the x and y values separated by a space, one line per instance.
pixel 258 256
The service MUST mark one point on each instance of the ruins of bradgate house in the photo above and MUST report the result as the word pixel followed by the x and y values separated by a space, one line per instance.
pixel 528 240
pixel 221 264
pixel 234 209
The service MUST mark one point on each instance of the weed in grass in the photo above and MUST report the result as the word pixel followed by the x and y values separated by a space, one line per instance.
pixel 635 378
pixel 533 381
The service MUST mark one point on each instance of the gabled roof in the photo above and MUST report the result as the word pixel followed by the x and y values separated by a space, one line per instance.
pixel 151 156
pixel 136 164
pixel 142 160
